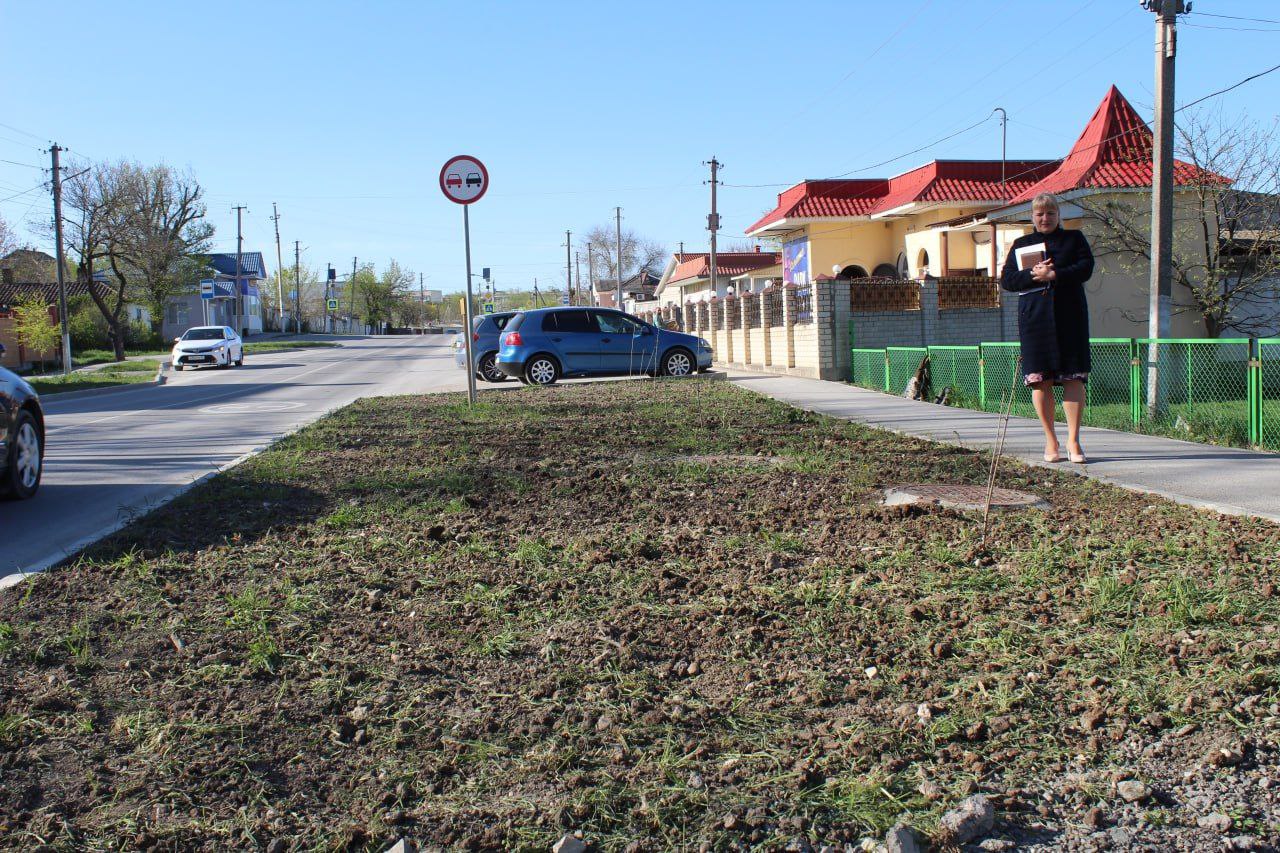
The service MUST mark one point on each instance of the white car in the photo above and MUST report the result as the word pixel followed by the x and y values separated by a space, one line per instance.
pixel 216 345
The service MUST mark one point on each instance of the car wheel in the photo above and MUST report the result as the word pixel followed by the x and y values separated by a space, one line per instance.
pixel 541 370
pixel 678 362
pixel 240 360
pixel 489 371
pixel 25 463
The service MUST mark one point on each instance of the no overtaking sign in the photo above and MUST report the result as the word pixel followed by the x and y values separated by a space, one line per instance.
pixel 464 179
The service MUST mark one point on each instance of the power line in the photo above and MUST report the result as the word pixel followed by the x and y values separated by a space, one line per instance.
pixel 1232 29
pixel 1229 88
pixel 23 132
pixel 16 163
pixel 38 186
pixel 1236 18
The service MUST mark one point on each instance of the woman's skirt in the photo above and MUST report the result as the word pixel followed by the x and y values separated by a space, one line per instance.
pixel 1055 378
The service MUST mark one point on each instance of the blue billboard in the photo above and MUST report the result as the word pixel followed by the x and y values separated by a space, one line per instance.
pixel 795 262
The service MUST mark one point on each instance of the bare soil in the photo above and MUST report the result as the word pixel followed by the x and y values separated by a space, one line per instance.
pixel 669 615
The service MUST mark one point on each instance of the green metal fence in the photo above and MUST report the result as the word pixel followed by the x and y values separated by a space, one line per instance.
pixel 868 368
pixel 1223 391
pixel 901 363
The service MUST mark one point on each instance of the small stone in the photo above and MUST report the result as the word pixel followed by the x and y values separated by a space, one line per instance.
pixel 871 671
pixel 403 845
pixel 1119 837
pixel 901 839
pixel 730 821
pixel 997 844
pixel 1183 731
pixel 1225 757
pixel 924 713
pixel 972 818
pixel 277 845
pixel 604 723
pixel 1133 791
pixel 1244 842
pixel 695 780
pixel 569 844
pixel 1216 822
pixel 1093 818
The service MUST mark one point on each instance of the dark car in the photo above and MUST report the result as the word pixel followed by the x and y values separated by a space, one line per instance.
pixel 487 329
pixel 21 437
pixel 542 345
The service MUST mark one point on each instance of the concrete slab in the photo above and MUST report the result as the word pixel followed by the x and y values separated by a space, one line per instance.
pixel 1230 480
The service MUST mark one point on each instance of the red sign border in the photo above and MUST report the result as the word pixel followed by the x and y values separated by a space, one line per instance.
pixel 445 168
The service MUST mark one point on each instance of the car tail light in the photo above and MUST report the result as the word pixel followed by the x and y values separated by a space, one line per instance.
pixel 475 336
pixel 513 339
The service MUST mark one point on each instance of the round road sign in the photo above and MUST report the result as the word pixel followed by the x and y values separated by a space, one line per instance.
pixel 464 179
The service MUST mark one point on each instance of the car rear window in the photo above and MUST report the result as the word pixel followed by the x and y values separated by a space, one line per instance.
pixel 514 323
pixel 501 320
pixel 568 321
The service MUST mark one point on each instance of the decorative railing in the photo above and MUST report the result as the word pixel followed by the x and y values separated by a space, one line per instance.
pixel 968 292
pixel 868 295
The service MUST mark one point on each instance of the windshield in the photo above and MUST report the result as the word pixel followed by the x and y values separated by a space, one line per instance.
pixel 203 335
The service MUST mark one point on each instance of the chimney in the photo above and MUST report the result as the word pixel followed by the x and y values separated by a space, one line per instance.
pixel 6 275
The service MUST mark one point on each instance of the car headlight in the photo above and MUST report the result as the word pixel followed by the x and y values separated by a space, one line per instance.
pixel 704 343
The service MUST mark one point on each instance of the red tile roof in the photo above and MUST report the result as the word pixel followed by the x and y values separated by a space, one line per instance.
pixel 939 181
pixel 697 265
pixel 1113 152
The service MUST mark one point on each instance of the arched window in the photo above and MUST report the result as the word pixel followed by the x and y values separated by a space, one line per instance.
pixel 853 271
pixel 885 271
pixel 922 263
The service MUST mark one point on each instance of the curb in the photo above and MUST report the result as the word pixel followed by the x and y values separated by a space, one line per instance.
pixel 160 379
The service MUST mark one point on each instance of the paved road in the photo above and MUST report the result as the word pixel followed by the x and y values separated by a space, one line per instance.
pixel 112 456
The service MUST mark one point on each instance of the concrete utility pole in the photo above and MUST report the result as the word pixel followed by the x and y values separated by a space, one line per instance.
pixel 329 278
pixel 351 297
pixel 297 286
pixel 275 217
pixel 618 222
pixel 591 273
pixel 1004 147
pixel 713 223
pixel 577 287
pixel 1159 310
pixel 568 266
pixel 62 275
pixel 239 300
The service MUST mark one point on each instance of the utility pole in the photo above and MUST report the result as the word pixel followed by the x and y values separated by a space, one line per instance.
pixel 351 296
pixel 681 247
pixel 1004 138
pixel 568 266
pixel 275 217
pixel 62 275
pixel 713 223
pixel 577 287
pixel 1159 309
pixel 297 286
pixel 618 222
pixel 591 274
pixel 537 303
pixel 239 300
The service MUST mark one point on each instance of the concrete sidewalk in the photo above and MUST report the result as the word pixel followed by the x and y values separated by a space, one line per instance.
pixel 1240 482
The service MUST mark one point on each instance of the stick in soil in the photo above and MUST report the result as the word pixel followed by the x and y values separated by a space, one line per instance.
pixel 995 463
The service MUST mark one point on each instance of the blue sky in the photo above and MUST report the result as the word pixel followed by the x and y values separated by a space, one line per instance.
pixel 343 113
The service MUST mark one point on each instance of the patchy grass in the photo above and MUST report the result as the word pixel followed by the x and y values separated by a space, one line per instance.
pixel 120 373
pixel 669 613
pixel 285 346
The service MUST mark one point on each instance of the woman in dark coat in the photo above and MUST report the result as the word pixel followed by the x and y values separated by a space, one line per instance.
pixel 1053 319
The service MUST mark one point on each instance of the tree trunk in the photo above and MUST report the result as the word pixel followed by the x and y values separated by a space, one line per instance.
pixel 1212 325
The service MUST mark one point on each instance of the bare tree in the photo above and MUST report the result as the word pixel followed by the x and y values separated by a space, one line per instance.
pixel 8 240
pixel 158 231
pixel 1226 238
pixel 93 200
pixel 638 253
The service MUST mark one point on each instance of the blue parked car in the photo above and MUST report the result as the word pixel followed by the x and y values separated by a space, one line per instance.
pixel 545 344
pixel 486 329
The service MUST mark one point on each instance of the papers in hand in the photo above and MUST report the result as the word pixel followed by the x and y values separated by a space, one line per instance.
pixel 1028 256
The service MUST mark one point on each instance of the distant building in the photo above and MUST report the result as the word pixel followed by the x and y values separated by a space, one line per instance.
pixel 190 309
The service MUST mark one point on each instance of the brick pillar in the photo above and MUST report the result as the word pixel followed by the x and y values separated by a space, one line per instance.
pixel 831 322
pixel 743 313
pixel 789 311
pixel 766 357
pixel 929 318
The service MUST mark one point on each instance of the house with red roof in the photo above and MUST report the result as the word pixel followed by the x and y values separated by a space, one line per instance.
pixel 958 217
pixel 687 277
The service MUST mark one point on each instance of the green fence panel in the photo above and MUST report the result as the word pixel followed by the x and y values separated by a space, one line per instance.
pixel 1203 391
pixel 903 362
pixel 1269 393
pixel 1109 392
pixel 868 368
pixel 1001 372
pixel 961 369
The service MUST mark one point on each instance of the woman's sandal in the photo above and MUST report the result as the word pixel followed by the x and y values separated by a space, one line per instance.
pixel 1077 458
pixel 1054 458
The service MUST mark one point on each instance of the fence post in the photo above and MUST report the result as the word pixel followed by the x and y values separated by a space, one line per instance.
pixel 887 378
pixel 1135 384
pixel 982 378
pixel 1255 392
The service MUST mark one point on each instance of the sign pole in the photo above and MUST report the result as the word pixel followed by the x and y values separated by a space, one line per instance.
pixel 466 329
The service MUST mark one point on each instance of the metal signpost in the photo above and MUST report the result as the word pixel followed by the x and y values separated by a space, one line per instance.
pixel 464 180
pixel 206 296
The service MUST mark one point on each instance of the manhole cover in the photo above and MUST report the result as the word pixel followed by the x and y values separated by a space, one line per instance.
pixel 960 497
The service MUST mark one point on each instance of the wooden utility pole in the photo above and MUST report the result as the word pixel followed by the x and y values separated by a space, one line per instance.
pixel 62 275
pixel 1159 309
pixel 591 273
pixel 713 224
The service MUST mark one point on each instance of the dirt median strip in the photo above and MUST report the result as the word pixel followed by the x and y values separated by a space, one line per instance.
pixel 663 614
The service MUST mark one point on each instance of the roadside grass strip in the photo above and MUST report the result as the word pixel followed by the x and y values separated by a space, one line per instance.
pixel 666 614
pixel 122 373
